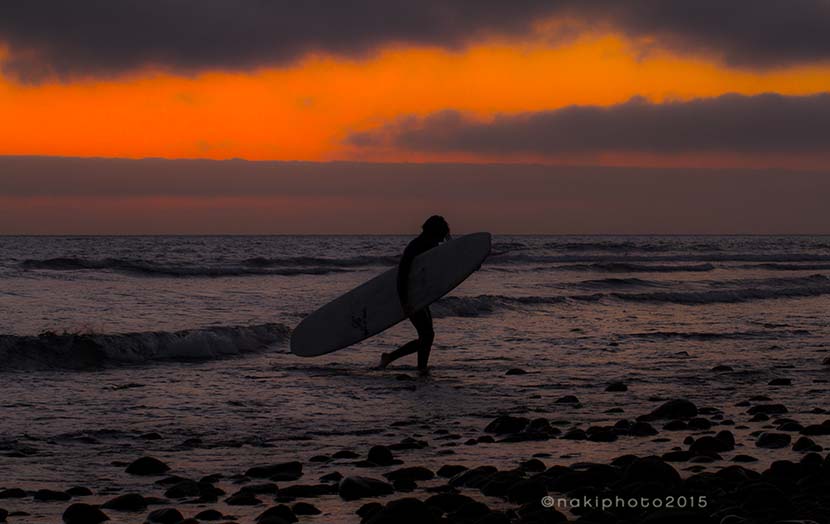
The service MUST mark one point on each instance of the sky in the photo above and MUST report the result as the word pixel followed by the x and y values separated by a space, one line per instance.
pixel 555 116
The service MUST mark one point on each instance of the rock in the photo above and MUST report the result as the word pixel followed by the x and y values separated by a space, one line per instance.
pixel 304 508
pixel 616 387
pixel 710 446
pixel 127 502
pixel 345 454
pixel 471 511
pixel 450 470
pixel 722 369
pixel 367 510
pixel 575 434
pixel 673 409
pixel 165 516
pixel 448 502
pixel 298 491
pixel 567 399
pixel 516 371
pixel 49 495
pixel 676 425
pixel 651 469
pixel 780 382
pixel 815 430
pixel 474 478
pixel 183 489
pixel 147 466
pixel 209 515
pixel 267 488
pixel 285 471
pixel 699 423
pixel 413 473
pixel 744 458
pixel 79 491
pixel 80 513
pixel 767 409
pixel 150 436
pixel 242 498
pixel 281 512
pixel 12 493
pixel 382 456
pixel 773 440
pixel 404 511
pixel 806 444
pixel 642 429
pixel 506 424
pixel 334 476
pixel 533 465
pixel 3 515
pixel 355 487
pixel 320 458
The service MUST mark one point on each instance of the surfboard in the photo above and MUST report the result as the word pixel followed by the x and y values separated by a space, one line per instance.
pixel 374 306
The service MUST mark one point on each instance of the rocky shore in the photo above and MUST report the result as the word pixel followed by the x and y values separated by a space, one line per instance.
pixel 709 478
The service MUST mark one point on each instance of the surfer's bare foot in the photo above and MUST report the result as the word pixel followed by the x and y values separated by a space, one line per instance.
pixel 424 372
pixel 385 360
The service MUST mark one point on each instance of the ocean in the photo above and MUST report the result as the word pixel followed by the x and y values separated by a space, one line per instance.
pixel 177 347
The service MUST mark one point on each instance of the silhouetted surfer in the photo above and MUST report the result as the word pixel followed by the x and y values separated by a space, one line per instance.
pixel 434 231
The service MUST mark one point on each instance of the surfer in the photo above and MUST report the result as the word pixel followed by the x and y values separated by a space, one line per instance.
pixel 434 231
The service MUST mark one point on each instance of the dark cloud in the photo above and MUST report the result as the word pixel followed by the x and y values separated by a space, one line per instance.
pixel 767 123
pixel 77 195
pixel 48 38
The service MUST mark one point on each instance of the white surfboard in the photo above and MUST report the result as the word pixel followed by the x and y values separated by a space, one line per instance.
pixel 374 306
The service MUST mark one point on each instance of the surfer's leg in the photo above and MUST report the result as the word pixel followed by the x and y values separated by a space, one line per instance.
pixel 426 335
pixel 419 319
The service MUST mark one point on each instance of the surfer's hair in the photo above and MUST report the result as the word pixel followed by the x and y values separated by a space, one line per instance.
pixel 436 225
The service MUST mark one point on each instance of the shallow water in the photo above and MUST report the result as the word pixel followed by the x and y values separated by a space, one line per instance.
pixel 575 312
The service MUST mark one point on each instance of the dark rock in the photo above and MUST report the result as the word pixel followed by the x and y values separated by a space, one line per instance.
pixel 450 470
pixel 676 425
pixel 286 471
pixel 367 510
pixel 183 489
pixel 147 466
pixel 307 490
pixel 448 502
pixel 470 511
pixel 334 476
pixel 165 516
pixel 575 434
pixel 79 491
pixel 815 430
pixel 404 511
pixel 506 424
pixel 722 369
pixel 413 473
pixel 677 456
pixel 209 515
pixel 567 399
pixel 767 409
pixel 150 436
pixel 382 456
pixel 651 469
pixel 79 513
pixel 169 481
pixel 673 409
pixel 516 371
pixel 780 382
pixel 527 490
pixel 699 423
pixel 616 387
pixel 806 444
pixel 12 493
pixel 127 502
pixel 3 515
pixel 744 458
pixel 345 454
pixel 404 485
pixel 642 429
pixel 320 458
pixel 304 508
pixel 354 487
pixel 267 488
pixel 474 478
pixel 533 465
pixel 281 512
pixel 49 495
pixel 242 498
pixel 773 440
pixel 709 446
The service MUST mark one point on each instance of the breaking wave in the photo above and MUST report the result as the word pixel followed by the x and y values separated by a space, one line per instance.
pixel 93 351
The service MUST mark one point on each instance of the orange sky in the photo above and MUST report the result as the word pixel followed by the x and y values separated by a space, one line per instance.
pixel 304 112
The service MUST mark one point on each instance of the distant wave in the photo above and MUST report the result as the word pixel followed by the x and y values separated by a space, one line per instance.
pixel 146 268
pixel 358 261
pixel 628 267
pixel 787 267
pixel 618 283
pixel 705 335
pixel 612 246
pixel 612 260
pixel 92 351
pixel 812 286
